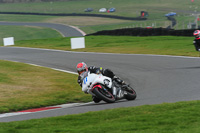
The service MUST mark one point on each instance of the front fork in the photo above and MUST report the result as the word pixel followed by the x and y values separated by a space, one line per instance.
pixel 118 93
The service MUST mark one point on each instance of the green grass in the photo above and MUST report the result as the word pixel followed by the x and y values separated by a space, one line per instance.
pixel 131 8
pixel 23 18
pixel 24 86
pixel 166 118
pixel 164 45
pixel 123 7
pixel 175 117
pixel 87 24
pixel 27 33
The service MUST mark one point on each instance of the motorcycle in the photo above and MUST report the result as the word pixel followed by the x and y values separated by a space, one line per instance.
pixel 105 89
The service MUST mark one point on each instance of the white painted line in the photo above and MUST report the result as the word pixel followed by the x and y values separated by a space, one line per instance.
pixel 31 64
pixel 60 107
pixel 72 105
pixel 13 114
pixel 64 71
pixel 82 32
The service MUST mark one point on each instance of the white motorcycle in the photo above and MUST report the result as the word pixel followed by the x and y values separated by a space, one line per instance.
pixel 105 89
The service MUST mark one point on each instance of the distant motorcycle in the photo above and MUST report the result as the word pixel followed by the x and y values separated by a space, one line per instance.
pixel 105 89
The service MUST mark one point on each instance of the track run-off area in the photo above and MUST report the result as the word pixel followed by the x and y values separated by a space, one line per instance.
pixel 156 78
pixel 64 30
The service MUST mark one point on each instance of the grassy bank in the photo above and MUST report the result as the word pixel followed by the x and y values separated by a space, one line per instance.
pixel 24 86
pixel 130 8
pixel 123 7
pixel 164 45
pixel 27 33
pixel 166 118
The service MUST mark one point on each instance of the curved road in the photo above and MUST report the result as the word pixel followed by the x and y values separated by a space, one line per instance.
pixel 66 31
pixel 156 79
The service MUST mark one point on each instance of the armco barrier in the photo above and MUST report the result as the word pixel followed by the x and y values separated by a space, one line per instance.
pixel 146 32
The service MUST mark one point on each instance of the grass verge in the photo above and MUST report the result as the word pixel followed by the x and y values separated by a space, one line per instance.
pixel 123 7
pixel 24 86
pixel 27 33
pixel 162 45
pixel 167 118
pixel 156 9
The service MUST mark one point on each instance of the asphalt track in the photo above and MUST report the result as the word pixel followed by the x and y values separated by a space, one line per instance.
pixel 157 79
pixel 65 30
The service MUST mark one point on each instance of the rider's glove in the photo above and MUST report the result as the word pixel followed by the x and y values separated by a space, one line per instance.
pixel 98 71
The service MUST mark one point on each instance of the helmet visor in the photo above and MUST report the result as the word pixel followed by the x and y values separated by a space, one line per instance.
pixel 80 72
pixel 83 74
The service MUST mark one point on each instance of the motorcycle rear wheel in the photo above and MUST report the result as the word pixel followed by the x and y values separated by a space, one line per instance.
pixel 131 94
pixel 104 95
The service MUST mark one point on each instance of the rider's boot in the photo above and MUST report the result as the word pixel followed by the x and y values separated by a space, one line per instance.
pixel 118 80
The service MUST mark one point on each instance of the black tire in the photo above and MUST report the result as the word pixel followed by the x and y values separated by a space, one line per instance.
pixel 131 94
pixel 95 99
pixel 104 95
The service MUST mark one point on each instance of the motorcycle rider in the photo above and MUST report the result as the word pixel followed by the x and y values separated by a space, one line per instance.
pixel 196 41
pixel 82 70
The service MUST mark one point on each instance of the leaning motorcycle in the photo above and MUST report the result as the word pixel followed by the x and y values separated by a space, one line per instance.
pixel 105 89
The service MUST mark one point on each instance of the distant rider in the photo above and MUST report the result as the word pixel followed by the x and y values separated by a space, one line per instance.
pixel 196 41
pixel 83 70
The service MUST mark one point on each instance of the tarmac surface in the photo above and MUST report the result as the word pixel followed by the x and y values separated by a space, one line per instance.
pixel 156 79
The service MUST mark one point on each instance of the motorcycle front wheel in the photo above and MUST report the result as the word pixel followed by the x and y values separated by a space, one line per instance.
pixel 130 93
pixel 104 94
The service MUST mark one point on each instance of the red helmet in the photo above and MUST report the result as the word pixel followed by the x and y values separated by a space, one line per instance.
pixel 196 33
pixel 81 67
